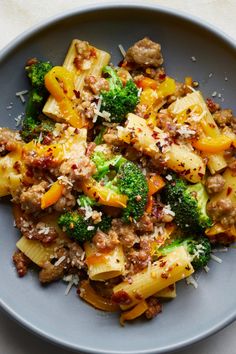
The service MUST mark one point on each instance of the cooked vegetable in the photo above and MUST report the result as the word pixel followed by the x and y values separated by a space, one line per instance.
pixel 127 180
pixel 79 228
pixel 199 250
pixel 188 203
pixel 119 100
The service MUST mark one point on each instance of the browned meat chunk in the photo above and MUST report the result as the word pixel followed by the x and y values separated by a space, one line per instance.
pixel 125 233
pixel 145 224
pixel 30 198
pixel 84 55
pixel 145 53
pixel 76 169
pixel 154 308
pixel 97 84
pixel 104 241
pixel 215 184
pixel 212 106
pixel 21 262
pixel 222 211
pixel 223 117
pixel 8 139
pixel 67 201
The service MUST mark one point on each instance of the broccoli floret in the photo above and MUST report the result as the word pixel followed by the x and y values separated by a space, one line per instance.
pixel 85 201
pixel 36 73
pixel 32 126
pixel 124 177
pixel 188 203
pixel 105 165
pixel 119 100
pixel 81 230
pixel 199 250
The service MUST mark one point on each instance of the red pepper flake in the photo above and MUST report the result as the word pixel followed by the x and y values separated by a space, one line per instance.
pixel 162 263
pixel 162 76
pixel 74 166
pixel 229 190
pixel 77 93
pixel 164 275
pixel 121 297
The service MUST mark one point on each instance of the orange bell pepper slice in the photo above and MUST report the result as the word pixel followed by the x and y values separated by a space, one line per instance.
pixel 52 195
pixel 135 312
pixel 147 82
pixel 99 302
pixel 213 145
pixel 102 194
pixel 149 204
pixel 60 83
pixel 155 184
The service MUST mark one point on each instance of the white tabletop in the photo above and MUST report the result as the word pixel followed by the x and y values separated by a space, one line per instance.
pixel 15 17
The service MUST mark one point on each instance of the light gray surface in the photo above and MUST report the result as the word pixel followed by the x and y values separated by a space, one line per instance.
pixel 50 349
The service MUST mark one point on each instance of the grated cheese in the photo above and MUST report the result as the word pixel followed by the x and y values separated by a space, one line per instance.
pixel 21 94
pixel 59 261
pixel 215 258
pixel 123 52
pixel 191 281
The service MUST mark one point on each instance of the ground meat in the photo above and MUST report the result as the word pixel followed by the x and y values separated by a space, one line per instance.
pixel 104 241
pixel 51 272
pixel 111 137
pixel 77 168
pixel 125 233
pixel 76 255
pixel 67 201
pixel 34 230
pixel 215 184
pixel 212 106
pixel 145 224
pixel 8 139
pixel 90 149
pixel 30 198
pixel 222 211
pixel 223 117
pixel 145 53
pixel 154 307
pixel 21 262
pixel 97 84
pixel 165 122
pixel 84 55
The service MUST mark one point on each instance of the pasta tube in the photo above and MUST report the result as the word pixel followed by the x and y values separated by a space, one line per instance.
pixel 103 266
pixel 167 293
pixel 162 273
pixel 179 158
pixel 195 102
pixel 51 108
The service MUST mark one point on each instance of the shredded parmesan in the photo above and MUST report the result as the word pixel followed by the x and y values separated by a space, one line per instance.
pixel 21 94
pixel 191 281
pixel 223 249
pixel 123 52
pixel 215 258
pixel 59 261
pixel 206 268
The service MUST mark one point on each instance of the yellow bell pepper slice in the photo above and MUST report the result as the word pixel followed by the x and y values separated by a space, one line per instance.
pixel 213 145
pixel 135 312
pixel 60 83
pixel 167 87
pixel 88 294
pixel 52 195
pixel 102 194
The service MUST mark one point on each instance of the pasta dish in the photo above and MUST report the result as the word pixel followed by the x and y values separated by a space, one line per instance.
pixel 122 179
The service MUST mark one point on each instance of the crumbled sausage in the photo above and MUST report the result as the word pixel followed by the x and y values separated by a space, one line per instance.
pixel 145 53
pixel 21 262
pixel 154 307
pixel 111 137
pixel 104 241
pixel 97 84
pixel 145 224
pixel 215 184
pixel 30 198
pixel 84 55
pixel 125 233
pixel 8 139
pixel 51 272
pixel 223 211
pixel 223 117
pixel 76 169
pixel 212 106
pixel 66 201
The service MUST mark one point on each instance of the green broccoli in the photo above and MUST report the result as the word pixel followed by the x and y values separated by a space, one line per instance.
pixel 124 177
pixel 188 202
pixel 199 250
pixel 81 229
pixel 32 126
pixel 36 73
pixel 119 100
